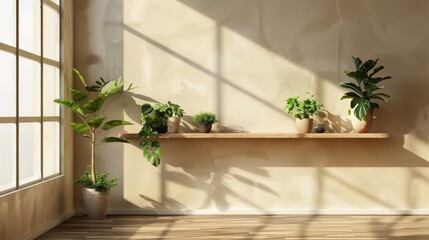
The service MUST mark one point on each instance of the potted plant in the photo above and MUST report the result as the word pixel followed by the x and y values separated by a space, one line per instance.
pixel 173 122
pixel 302 111
pixel 364 91
pixel 152 117
pixel 205 121
pixel 87 106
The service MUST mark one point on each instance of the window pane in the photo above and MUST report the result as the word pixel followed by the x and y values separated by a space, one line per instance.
pixel 51 33
pixel 51 148
pixel 29 25
pixel 29 87
pixel 29 152
pixel 8 156
pixel 51 90
pixel 7 22
pixel 8 84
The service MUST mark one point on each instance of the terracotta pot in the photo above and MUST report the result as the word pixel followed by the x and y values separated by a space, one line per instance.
pixel 364 125
pixel 173 124
pixel 304 125
pixel 96 203
pixel 205 128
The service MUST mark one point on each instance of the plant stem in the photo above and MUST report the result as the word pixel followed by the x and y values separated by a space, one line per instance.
pixel 93 176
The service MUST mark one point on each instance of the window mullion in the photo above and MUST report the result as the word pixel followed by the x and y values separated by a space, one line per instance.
pixel 41 89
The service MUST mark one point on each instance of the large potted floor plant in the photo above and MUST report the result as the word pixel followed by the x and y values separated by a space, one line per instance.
pixel 364 92
pixel 87 106
pixel 302 110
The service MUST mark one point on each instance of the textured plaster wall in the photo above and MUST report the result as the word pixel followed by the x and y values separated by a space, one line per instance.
pixel 242 59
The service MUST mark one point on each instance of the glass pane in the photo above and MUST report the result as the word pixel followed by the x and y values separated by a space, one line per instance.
pixel 8 84
pixel 29 25
pixel 51 33
pixel 29 152
pixel 8 156
pixel 7 22
pixel 51 90
pixel 29 87
pixel 51 148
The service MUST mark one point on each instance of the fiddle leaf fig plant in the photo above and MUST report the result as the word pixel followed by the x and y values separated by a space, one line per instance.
pixel 365 90
pixel 87 105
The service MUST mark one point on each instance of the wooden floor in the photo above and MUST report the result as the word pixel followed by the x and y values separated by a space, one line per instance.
pixel 244 227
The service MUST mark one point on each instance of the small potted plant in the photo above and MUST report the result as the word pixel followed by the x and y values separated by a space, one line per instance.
pixel 205 121
pixel 87 106
pixel 173 122
pixel 364 91
pixel 302 111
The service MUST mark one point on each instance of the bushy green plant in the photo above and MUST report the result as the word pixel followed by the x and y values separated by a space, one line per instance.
pixel 87 105
pixel 302 109
pixel 101 185
pixel 176 109
pixel 205 118
pixel 366 91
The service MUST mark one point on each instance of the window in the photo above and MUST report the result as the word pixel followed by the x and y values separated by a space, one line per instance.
pixel 30 66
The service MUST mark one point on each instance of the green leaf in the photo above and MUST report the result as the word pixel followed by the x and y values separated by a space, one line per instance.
pixel 352 86
pixel 79 127
pixel 376 70
pixel 115 123
pixel 361 108
pixel 358 75
pixel 112 87
pixel 114 139
pixel 95 122
pixel 358 61
pixel 368 65
pixel 73 105
pixel 379 79
pixel 350 95
pixel 65 102
pixel 93 105
pixel 146 109
pixel 80 77
pixel 77 94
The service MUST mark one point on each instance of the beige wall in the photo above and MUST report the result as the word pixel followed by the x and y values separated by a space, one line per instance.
pixel 29 212
pixel 242 59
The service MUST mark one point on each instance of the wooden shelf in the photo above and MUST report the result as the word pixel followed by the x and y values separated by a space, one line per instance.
pixel 264 135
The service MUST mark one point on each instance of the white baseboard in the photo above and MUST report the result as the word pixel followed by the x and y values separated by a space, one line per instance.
pixel 49 226
pixel 263 212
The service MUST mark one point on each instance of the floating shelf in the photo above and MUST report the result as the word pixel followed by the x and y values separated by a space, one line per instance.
pixel 263 135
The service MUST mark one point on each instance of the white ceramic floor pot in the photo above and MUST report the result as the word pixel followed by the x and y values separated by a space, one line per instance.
pixel 364 125
pixel 95 202
pixel 304 125
pixel 173 124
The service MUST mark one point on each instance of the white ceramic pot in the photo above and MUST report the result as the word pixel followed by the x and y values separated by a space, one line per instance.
pixel 364 125
pixel 96 203
pixel 173 124
pixel 304 125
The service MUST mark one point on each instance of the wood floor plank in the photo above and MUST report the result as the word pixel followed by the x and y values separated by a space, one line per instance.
pixel 338 227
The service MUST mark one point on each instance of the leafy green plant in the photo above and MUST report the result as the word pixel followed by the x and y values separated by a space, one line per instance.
pixel 205 118
pixel 87 106
pixel 176 109
pixel 302 109
pixel 101 185
pixel 365 91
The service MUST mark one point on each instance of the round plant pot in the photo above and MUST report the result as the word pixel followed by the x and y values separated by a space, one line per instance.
pixel 205 128
pixel 95 202
pixel 364 125
pixel 304 125
pixel 173 124
pixel 162 129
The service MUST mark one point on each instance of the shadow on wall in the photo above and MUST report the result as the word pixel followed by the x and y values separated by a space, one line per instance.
pixel 209 174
